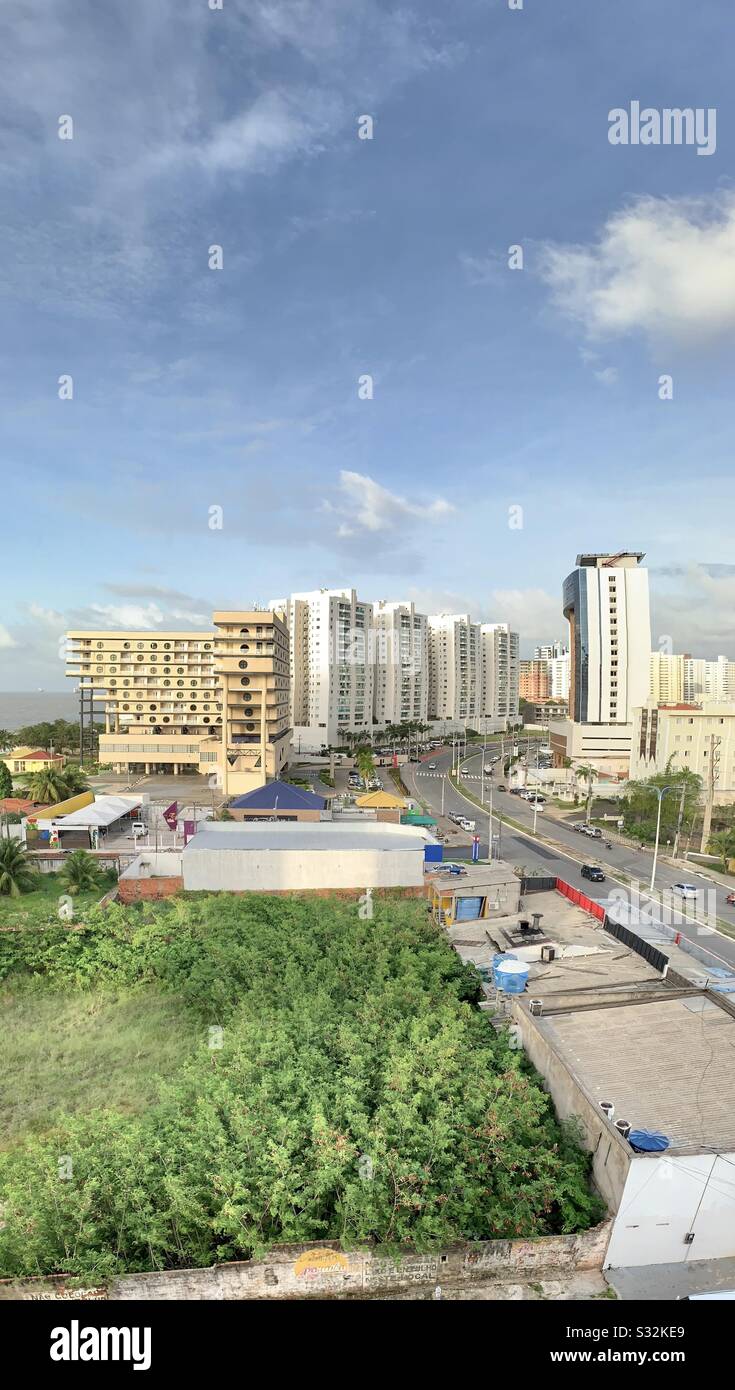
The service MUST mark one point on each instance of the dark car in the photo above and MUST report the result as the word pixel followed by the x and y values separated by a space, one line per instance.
pixel 592 871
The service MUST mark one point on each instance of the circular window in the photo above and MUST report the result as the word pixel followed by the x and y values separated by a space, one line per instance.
pixel 154 646
pixel 166 646
pixel 139 645
pixel 138 706
pixel 244 631
pixel 249 726
pixel 113 682
pixel 166 719
pixel 179 682
pixel 126 646
pixel 243 665
pixel 179 670
pixel 205 721
pixel 244 646
pixel 193 707
pixel 244 680
pixel 247 713
pixel 193 682
pixel 141 657
pixel 167 682
pixel 167 670
pixel 126 706
pixel 151 718
pixel 207 646
pixel 126 682
pixel 99 644
pixel 100 669
pixel 151 706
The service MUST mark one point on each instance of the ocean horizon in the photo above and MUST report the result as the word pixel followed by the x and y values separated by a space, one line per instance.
pixel 21 707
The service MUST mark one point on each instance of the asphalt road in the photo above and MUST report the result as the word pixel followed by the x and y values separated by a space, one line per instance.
pixel 569 849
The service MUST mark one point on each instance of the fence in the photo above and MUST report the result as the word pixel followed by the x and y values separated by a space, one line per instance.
pixel 651 953
pixel 576 896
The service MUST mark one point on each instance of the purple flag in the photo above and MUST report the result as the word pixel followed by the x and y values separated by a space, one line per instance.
pixel 170 815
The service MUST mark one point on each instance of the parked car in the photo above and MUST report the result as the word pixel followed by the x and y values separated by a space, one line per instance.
pixel 593 872
pixel 453 869
pixel 686 890
pixel 594 831
pixel 516 791
pixel 502 787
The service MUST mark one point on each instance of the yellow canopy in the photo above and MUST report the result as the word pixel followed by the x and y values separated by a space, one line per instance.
pixel 380 801
pixel 64 808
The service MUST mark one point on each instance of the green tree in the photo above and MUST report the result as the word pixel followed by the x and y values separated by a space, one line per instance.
pixel 48 785
pixel 723 844
pixel 17 874
pixel 640 806
pixel 7 740
pixel 80 873
pixel 6 781
pixel 585 772
pixel 74 779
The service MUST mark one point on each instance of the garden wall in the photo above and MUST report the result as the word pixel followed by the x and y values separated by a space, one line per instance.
pixel 302 1271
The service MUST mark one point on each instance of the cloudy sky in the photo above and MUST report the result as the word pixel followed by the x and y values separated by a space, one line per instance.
pixel 515 416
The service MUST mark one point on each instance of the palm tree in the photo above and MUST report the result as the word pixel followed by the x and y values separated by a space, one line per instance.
pixel 6 739
pixel 48 785
pixel 80 873
pixel 74 779
pixel 589 774
pixel 16 872
pixel 365 764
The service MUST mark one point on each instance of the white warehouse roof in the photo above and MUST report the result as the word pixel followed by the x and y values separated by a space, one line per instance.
pixel 304 835
pixel 104 811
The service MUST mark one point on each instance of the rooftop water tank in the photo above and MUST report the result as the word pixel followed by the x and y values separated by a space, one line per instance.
pixel 648 1141
pixel 511 976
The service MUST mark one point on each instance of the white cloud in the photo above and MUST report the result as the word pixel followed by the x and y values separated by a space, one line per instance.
pixel 536 615
pixel 368 506
pixel 132 615
pixel 45 615
pixel 663 267
pixel 5 638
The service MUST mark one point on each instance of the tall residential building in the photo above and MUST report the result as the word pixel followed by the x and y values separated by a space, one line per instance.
pixel 708 680
pixel 667 679
pixel 170 704
pixel 252 665
pixel 533 680
pixel 605 601
pixel 549 651
pixel 559 673
pixel 331 642
pixel 500 672
pixel 401 661
pixel 455 668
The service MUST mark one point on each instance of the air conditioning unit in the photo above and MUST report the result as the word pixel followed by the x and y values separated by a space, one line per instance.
pixel 548 953
pixel 535 1007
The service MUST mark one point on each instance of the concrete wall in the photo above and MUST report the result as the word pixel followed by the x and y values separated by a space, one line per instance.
pixel 133 890
pixel 612 1155
pixel 322 1268
pixel 668 1196
pixel 273 871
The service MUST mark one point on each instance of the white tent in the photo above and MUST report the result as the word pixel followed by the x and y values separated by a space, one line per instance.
pixel 102 812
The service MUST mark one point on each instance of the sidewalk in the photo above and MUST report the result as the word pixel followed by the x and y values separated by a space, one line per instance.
pixel 661 1282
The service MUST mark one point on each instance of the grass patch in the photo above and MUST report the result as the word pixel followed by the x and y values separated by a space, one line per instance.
pixel 80 1051
pixel 40 907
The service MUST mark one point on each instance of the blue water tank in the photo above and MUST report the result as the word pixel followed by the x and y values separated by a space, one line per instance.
pixel 511 975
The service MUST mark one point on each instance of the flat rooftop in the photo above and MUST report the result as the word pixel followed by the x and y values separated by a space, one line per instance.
pixel 667 1064
pixel 662 1049
pixel 304 835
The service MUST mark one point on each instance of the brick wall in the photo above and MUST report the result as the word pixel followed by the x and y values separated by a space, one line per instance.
pixel 131 890
pixel 322 1268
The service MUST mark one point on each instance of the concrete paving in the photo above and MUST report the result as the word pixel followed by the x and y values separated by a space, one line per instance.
pixel 653 1283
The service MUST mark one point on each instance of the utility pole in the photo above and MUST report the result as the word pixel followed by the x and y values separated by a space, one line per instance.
pixel 680 818
pixel 712 778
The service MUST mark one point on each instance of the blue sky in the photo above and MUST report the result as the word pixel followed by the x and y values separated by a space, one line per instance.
pixel 238 388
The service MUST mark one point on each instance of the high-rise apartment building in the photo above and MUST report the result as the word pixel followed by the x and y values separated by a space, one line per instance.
pixel 332 672
pixel 549 651
pixel 708 680
pixel 401 661
pixel 606 604
pixel 209 702
pixel 500 665
pixel 533 680
pixel 667 679
pixel 455 668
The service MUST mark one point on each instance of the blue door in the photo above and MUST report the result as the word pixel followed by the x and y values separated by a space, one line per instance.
pixel 468 909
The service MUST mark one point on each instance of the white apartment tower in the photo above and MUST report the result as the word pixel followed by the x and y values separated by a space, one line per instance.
pixel 667 678
pixel 401 660
pixel 500 651
pixel 607 606
pixel 331 641
pixel 455 668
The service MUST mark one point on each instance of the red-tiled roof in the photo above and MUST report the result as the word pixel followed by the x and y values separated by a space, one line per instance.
pixel 39 754
pixel 18 805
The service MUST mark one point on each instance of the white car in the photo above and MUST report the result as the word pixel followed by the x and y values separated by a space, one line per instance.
pixel 686 890
pixel 432 767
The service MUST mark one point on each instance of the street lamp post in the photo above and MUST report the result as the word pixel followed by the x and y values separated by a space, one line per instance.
pixel 660 793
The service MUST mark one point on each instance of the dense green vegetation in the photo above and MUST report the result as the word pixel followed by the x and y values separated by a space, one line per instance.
pixel 38 903
pixel 639 807
pixel 342 1084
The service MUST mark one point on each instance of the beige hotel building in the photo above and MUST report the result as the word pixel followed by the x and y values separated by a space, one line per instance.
pixel 215 703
